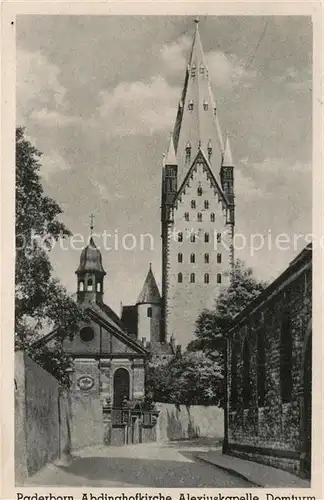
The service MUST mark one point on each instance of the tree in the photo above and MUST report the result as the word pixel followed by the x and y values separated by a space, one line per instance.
pixel 212 325
pixel 40 301
pixel 192 379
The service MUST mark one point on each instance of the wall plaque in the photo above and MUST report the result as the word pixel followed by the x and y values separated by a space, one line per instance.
pixel 85 383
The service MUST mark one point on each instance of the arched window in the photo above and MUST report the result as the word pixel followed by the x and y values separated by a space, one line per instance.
pixel 206 237
pixel 190 105
pixel 199 217
pixel 180 257
pixel 246 375
pixel 99 287
pixel 180 237
pixel 201 69
pixel 149 312
pixel 219 237
pixel 219 258
pixel 192 237
pixel 212 217
pixel 90 285
pixel 179 277
pixel 199 191
pixel 187 215
pixel 206 204
pixel 205 104
pixel 233 394
pixel 193 203
pixel 81 286
pixel 206 278
pixel 188 152
pixel 193 70
pixel 192 277
pixel 219 278
pixel 206 258
pixel 192 258
pixel 286 358
pixel 261 373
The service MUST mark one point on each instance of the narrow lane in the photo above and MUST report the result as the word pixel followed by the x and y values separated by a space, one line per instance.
pixel 145 465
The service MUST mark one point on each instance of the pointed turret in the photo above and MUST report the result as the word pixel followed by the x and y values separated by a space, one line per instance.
pixel 170 158
pixel 197 122
pixel 227 159
pixel 227 177
pixel 150 293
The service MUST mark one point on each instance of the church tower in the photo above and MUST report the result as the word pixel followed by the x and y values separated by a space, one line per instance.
pixel 90 275
pixel 197 209
pixel 149 310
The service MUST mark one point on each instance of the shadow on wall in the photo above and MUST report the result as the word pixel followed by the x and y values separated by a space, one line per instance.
pixel 189 422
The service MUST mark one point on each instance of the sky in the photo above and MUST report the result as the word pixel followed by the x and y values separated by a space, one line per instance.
pixel 98 96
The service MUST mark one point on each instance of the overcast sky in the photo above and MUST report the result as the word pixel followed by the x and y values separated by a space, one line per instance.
pixel 98 96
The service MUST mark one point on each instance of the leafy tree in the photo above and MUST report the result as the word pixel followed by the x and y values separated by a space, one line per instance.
pixel 192 379
pixel 211 325
pixel 40 301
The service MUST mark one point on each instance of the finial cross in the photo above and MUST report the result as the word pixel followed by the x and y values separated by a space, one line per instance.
pixel 91 223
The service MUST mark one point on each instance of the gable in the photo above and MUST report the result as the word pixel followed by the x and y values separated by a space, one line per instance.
pixel 200 171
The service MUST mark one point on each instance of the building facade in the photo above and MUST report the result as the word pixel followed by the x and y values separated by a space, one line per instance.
pixel 269 373
pixel 197 208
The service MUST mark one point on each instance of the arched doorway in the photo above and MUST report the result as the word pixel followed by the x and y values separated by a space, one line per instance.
pixel 121 386
pixel 308 408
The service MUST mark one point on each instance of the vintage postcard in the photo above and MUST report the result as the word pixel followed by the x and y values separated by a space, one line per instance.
pixel 162 246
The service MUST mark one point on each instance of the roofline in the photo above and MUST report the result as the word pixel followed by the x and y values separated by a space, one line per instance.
pixel 301 259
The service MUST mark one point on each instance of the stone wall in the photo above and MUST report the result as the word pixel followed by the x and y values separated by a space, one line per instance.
pixel 268 428
pixel 189 423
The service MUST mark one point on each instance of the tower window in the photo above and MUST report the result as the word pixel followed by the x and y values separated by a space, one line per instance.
pixel 192 237
pixel 209 150
pixel 206 237
pixel 246 375
pixel 202 69
pixel 219 258
pixel 192 258
pixel 90 285
pixel 149 312
pixel 190 105
pixel 180 257
pixel 179 277
pixel 81 286
pixel 180 237
pixel 192 278
pixel 199 217
pixel 219 278
pixel 193 70
pixel 206 258
pixel 186 215
pixel 219 237
pixel 212 217
pixel 206 204
pixel 205 105
pixel 193 203
pixel 286 345
pixel 199 191
pixel 188 152
pixel 206 278
pixel 98 287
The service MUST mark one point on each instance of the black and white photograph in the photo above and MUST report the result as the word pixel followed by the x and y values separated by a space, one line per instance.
pixel 164 242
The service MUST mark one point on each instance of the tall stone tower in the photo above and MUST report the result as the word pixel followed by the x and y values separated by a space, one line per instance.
pixel 197 209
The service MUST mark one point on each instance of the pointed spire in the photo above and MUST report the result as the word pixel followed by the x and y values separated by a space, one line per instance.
pixel 228 159
pixel 196 120
pixel 170 158
pixel 150 293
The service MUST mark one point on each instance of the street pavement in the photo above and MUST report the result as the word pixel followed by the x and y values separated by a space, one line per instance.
pixel 161 465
